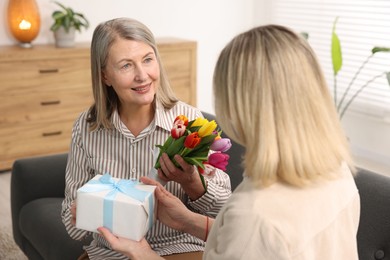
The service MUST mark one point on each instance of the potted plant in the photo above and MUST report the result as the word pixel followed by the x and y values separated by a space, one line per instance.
pixel 337 61
pixel 66 22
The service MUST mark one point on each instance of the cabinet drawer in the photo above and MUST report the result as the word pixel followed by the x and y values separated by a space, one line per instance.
pixel 32 139
pixel 28 77
pixel 32 108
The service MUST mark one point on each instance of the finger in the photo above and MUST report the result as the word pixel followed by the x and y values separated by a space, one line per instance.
pixel 162 194
pixel 166 164
pixel 162 176
pixel 73 209
pixel 107 235
pixel 148 181
pixel 188 168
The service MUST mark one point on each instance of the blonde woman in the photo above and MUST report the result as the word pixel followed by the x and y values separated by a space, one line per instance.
pixel 298 198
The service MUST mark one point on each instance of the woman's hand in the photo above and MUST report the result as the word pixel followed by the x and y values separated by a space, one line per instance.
pixel 187 176
pixel 133 249
pixel 170 210
pixel 73 209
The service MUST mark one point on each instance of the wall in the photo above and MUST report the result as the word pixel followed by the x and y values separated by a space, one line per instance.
pixel 211 23
pixel 368 131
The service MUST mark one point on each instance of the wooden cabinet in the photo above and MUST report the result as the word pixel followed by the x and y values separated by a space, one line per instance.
pixel 44 89
pixel 179 60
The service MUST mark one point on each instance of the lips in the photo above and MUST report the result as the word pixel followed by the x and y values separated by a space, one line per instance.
pixel 142 89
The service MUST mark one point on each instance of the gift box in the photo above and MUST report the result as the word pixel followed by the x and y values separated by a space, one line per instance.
pixel 126 207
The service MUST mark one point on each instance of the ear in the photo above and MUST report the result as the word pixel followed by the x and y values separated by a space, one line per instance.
pixel 105 80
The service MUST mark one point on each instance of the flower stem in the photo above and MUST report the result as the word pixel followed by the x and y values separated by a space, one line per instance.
pixel 335 89
pixel 358 92
pixel 352 81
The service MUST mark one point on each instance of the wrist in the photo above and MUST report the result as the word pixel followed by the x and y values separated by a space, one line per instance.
pixel 194 188
pixel 144 254
pixel 197 225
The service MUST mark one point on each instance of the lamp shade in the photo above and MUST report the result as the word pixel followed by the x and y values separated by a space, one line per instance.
pixel 23 20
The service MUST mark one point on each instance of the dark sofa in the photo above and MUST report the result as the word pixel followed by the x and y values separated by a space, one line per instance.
pixel 37 190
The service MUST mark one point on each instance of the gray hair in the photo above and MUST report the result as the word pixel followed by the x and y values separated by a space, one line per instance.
pixel 105 98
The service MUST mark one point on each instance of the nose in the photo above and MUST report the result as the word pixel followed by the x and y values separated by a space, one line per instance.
pixel 140 74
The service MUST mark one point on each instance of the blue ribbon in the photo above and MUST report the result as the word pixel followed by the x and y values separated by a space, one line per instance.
pixel 127 187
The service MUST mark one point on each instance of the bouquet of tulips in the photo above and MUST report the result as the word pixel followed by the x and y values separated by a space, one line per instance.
pixel 193 140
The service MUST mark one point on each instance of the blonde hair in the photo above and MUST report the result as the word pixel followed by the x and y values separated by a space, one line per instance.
pixel 272 98
pixel 105 98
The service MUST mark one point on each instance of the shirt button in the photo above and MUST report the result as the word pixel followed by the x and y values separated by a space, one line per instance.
pixel 133 170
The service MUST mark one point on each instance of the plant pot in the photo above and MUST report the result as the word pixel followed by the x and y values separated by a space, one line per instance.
pixel 65 39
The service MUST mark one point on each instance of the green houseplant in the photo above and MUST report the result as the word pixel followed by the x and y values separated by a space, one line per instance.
pixel 337 61
pixel 66 22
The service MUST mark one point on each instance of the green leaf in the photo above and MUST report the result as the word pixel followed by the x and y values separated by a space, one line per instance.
pixel 207 139
pixel 197 161
pixel 199 153
pixel 168 142
pixel 61 5
pixel 194 128
pixel 203 182
pixel 305 35
pixel 68 18
pixel 337 58
pixel 380 49
pixel 388 77
pixel 175 146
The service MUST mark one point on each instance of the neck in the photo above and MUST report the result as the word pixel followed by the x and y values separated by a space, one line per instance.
pixel 136 118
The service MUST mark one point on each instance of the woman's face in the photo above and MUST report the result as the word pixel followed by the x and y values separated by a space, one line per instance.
pixel 133 71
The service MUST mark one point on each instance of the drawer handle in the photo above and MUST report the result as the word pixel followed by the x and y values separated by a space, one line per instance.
pixel 48 71
pixel 52 133
pixel 49 103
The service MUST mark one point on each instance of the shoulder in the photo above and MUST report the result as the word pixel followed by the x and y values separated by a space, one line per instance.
pixel 167 116
pixel 81 119
pixel 182 108
pixel 81 124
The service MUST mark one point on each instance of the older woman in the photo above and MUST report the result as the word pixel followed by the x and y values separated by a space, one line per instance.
pixel 133 110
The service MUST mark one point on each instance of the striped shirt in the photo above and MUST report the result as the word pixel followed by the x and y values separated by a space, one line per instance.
pixel 120 153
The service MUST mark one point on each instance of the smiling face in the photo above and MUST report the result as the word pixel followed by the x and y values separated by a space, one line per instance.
pixel 132 70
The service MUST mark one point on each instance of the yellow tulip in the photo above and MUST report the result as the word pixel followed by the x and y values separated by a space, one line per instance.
pixel 199 122
pixel 207 128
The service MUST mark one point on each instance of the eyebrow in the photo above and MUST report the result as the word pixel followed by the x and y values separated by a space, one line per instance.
pixel 126 59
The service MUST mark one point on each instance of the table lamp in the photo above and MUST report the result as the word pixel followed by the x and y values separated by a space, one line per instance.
pixel 23 21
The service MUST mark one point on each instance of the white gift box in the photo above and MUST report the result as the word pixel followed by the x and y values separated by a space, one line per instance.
pixel 126 207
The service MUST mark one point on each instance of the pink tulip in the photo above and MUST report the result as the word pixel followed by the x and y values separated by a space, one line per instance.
pixel 178 131
pixel 219 160
pixel 181 120
pixel 221 145
pixel 208 170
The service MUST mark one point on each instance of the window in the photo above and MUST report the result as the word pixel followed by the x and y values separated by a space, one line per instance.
pixel 361 26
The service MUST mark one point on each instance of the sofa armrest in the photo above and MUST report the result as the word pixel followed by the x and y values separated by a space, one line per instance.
pixel 374 228
pixel 33 178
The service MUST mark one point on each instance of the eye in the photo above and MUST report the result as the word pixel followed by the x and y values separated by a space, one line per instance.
pixel 127 66
pixel 148 60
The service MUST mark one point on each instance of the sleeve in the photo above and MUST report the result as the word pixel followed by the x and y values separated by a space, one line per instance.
pixel 217 194
pixel 241 234
pixel 75 176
